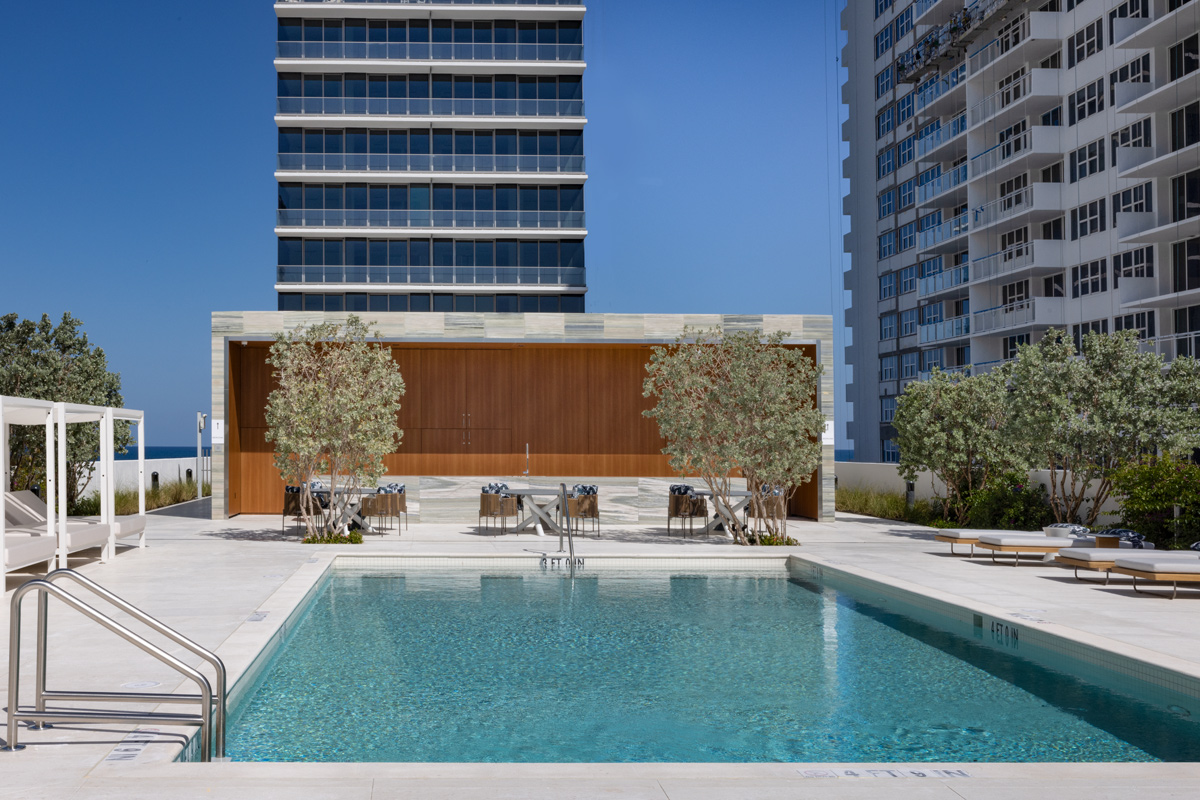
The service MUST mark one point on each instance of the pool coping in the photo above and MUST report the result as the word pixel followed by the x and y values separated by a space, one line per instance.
pixel 252 645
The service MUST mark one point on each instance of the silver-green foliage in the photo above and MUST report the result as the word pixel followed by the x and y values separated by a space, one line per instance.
pixel 959 429
pixel 737 401
pixel 1085 415
pixel 45 361
pixel 333 412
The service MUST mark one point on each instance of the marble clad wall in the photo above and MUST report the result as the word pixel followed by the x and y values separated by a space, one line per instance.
pixel 231 326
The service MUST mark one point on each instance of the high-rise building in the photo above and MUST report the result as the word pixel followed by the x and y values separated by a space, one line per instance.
pixel 430 155
pixel 1015 166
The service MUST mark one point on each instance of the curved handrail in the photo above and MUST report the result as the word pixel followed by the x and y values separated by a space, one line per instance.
pixel 44 587
pixel 179 639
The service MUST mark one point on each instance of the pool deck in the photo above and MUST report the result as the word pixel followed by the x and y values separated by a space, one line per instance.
pixel 207 578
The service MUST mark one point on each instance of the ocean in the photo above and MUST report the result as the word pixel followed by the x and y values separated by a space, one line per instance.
pixel 162 452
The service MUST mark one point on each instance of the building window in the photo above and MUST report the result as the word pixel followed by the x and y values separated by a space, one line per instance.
pixel 908 240
pixel 883 41
pixel 905 150
pixel 908 322
pixel 1087 160
pixel 1133 264
pixel 931 359
pixel 904 22
pixel 1087 101
pixel 1184 58
pixel 1185 126
pixel 887 368
pixel 887 245
pixel 886 162
pixel 1130 9
pixel 1014 244
pixel 1083 329
pixel 887 409
pixel 1010 345
pixel 1135 135
pixel 1142 322
pixel 887 286
pixel 907 193
pixel 930 221
pixel 908 366
pixel 1185 265
pixel 930 313
pixel 1136 71
pixel 1086 42
pixel 1134 199
pixel 1012 88
pixel 1087 219
pixel 1089 278
pixel 887 327
pixel 1014 295
pixel 883 82
pixel 881 6
pixel 1053 229
pixel 887 203
pixel 1052 286
pixel 904 108
pixel 891 452
pixel 908 277
pixel 1185 196
pixel 884 122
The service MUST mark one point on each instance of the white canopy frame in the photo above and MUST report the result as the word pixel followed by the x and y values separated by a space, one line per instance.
pixel 128 525
pixel 23 547
pixel 74 414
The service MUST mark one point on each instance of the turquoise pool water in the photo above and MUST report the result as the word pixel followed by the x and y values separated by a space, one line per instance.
pixel 541 667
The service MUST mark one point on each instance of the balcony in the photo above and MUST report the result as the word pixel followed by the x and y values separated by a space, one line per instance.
pixel 1031 96
pixel 946 43
pixel 1143 163
pixel 1154 228
pixel 940 98
pixel 945 280
pixel 1035 312
pixel 1042 256
pixel 962 371
pixel 944 238
pixel 378 277
pixel 1163 31
pixel 1038 147
pixel 1146 98
pixel 1038 202
pixel 427 107
pixel 947 329
pixel 1035 38
pixel 933 12
pixel 930 148
pixel 449 220
pixel 429 51
pixel 948 189
pixel 1173 346
pixel 401 163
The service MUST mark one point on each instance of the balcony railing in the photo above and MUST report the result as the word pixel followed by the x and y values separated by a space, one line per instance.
pixel 361 218
pixel 990 159
pixel 453 2
pixel 424 107
pixel 1032 311
pixel 953 328
pixel 964 370
pixel 943 183
pixel 944 232
pixel 998 47
pixel 556 276
pixel 1009 260
pixel 954 128
pixel 933 91
pixel 946 279
pixel 989 106
pixel 431 51
pixel 1008 206
pixel 1173 346
pixel 381 162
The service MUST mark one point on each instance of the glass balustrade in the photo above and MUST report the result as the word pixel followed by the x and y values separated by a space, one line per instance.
pixel 363 218
pixel 953 328
pixel 431 51
pixel 380 162
pixel 946 279
pixel 437 107
pixel 545 276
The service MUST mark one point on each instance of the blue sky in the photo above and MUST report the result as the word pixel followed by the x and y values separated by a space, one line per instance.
pixel 138 190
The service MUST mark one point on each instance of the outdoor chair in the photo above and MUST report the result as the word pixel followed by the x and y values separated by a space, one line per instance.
pixel 1156 568
pixel 25 509
pixel 293 507
pixel 1018 543
pixel 370 506
pixel 393 504
pixel 774 506
pixel 967 536
pixel 493 506
pixel 686 506
pixel 584 507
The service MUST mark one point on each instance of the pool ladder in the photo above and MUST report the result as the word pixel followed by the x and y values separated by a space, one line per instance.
pixel 210 718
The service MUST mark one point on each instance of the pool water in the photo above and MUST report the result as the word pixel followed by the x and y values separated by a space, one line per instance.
pixel 542 667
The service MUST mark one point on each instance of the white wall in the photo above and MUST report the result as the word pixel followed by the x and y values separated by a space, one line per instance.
pixel 168 469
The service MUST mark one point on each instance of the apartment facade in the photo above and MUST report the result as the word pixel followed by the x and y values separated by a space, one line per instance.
pixel 430 156
pixel 1015 166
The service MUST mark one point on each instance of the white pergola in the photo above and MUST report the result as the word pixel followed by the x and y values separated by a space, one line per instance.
pixel 26 546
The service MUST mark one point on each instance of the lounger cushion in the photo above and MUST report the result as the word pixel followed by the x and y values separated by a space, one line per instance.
pixel 959 534
pixel 23 548
pixel 1103 554
pixel 129 525
pixel 1190 566
pixel 24 509
pixel 1038 540
pixel 84 535
pixel 966 534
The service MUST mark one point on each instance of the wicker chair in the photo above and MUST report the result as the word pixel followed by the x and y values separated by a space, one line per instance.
pixel 492 506
pixel 774 506
pixel 293 507
pixel 385 506
pixel 683 506
pixel 584 507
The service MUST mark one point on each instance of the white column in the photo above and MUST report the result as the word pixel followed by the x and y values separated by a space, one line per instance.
pixel 3 489
pixel 142 468
pixel 62 485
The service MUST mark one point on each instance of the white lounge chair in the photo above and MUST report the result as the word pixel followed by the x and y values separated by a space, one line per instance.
pixel 25 511
pixel 1173 570
pixel 967 536
pixel 1039 544
pixel 1102 559
pixel 25 547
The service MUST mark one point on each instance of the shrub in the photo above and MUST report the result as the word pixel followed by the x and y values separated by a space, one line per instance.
pixel 1150 490
pixel 776 540
pixel 352 537
pixel 126 500
pixel 1011 503
pixel 885 505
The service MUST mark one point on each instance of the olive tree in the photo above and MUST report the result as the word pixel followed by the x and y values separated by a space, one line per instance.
pixel 959 429
pixel 742 401
pixel 44 361
pixel 1084 415
pixel 333 412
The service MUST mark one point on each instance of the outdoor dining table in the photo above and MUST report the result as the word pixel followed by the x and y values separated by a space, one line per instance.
pixel 733 512
pixel 541 511
pixel 350 513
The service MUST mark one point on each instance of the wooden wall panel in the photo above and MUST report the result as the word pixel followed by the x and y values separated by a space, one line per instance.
pixel 615 421
pixel 442 389
pixel 256 387
pixel 233 433
pixel 409 362
pixel 489 386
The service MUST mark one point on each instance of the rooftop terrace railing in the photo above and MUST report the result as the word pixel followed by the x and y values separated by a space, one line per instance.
pixel 435 107
pixel 371 276
pixel 382 162
pixel 363 218
pixel 430 51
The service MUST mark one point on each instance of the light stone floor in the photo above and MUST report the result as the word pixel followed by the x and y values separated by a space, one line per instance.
pixel 206 578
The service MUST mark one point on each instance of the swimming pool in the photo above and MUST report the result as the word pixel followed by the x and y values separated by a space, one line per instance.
pixel 761 665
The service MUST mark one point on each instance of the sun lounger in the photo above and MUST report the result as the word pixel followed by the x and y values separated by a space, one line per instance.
pixel 1174 570
pixel 26 509
pixel 24 547
pixel 967 536
pixel 1024 543
pixel 1102 559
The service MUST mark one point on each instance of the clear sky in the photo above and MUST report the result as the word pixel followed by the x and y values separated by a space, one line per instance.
pixel 138 193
